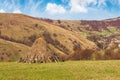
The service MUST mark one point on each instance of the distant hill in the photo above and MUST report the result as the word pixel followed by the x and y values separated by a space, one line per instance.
pixel 30 39
pixel 93 30
pixel 103 33
pixel 26 30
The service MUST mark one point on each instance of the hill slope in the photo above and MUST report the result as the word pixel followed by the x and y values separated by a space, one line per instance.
pixel 25 30
pixel 105 34
pixel 96 31
pixel 10 51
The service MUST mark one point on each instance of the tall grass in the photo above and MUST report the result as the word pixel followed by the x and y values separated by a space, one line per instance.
pixel 70 70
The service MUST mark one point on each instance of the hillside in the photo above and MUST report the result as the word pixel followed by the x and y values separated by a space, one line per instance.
pixel 104 31
pixel 57 40
pixel 11 51
pixel 27 30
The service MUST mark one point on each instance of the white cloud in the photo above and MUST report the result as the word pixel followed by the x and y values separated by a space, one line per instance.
pixel 17 11
pixel 53 8
pixel 114 2
pixel 101 2
pixel 2 11
pixel 119 2
pixel 82 5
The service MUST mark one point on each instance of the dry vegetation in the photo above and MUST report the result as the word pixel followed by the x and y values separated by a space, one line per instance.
pixel 56 40
pixel 105 34
pixel 10 51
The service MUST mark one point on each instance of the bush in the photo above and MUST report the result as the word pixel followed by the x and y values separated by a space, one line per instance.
pixel 82 55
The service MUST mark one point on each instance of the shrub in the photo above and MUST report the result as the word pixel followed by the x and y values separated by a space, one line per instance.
pixel 82 55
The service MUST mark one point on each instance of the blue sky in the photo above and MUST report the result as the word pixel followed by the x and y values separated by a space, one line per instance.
pixel 63 9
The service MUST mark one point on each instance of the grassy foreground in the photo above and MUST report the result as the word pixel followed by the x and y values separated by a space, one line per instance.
pixel 70 70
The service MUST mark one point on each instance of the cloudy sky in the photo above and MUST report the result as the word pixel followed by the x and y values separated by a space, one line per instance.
pixel 63 9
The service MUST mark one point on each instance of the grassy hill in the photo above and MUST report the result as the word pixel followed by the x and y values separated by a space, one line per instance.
pixel 109 28
pixel 19 28
pixel 26 30
pixel 69 70
pixel 57 40
pixel 87 28
pixel 103 33
pixel 10 51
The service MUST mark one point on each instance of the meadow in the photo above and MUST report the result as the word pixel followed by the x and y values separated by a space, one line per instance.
pixel 69 70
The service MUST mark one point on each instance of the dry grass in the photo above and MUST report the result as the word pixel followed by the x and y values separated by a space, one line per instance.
pixel 25 30
pixel 10 51
pixel 25 27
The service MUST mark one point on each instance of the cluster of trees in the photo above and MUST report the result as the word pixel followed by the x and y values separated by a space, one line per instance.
pixel 112 52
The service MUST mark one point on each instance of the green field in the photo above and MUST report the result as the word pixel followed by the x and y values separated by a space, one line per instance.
pixel 70 70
